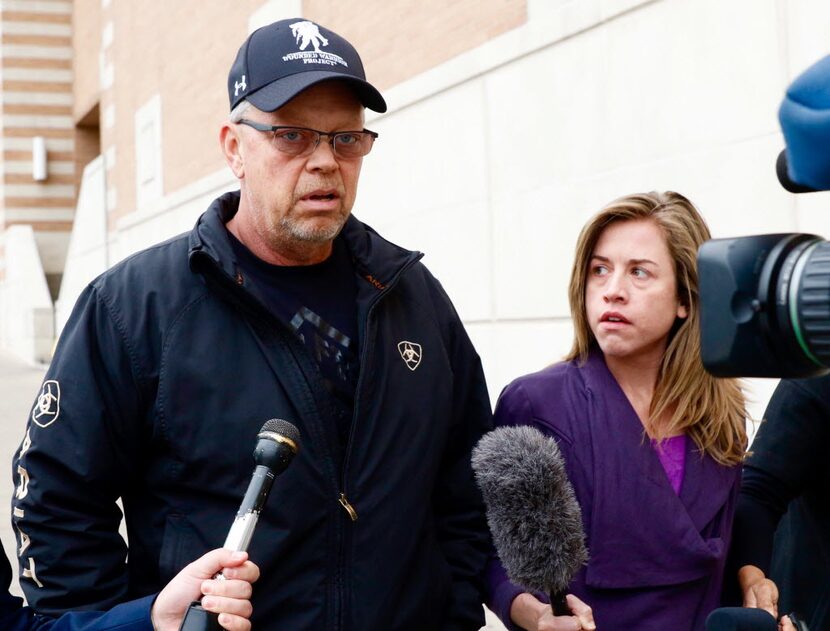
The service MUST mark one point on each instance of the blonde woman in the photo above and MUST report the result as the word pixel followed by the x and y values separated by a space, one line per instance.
pixel 652 443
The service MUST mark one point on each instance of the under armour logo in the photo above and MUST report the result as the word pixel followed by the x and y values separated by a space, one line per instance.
pixel 48 404
pixel 239 85
pixel 410 353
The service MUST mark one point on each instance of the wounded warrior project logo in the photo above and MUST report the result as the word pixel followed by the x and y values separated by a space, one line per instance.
pixel 48 404
pixel 306 33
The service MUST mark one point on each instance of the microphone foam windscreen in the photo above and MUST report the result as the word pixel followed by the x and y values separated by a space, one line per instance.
pixel 532 510
pixel 283 428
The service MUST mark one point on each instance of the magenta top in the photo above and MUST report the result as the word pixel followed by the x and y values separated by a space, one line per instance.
pixel 672 454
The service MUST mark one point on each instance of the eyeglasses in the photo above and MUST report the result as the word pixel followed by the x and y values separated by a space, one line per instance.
pixel 301 141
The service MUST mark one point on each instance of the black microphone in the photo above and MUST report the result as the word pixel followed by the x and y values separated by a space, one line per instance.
pixel 740 619
pixel 277 443
pixel 532 510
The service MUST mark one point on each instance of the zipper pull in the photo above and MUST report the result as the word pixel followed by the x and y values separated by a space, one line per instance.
pixel 349 508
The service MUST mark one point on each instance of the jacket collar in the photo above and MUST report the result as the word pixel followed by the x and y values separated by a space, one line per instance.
pixel 209 238
pixel 666 538
pixel 376 260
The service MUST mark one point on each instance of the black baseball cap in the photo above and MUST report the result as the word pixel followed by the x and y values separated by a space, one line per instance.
pixel 280 60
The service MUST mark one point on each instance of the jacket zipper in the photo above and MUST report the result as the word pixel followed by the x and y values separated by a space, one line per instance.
pixel 349 508
pixel 342 500
pixel 364 355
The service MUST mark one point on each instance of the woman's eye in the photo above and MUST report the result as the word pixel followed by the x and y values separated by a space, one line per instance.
pixel 639 272
pixel 599 270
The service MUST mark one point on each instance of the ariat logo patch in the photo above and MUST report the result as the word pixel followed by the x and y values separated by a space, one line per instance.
pixel 410 353
pixel 48 405
pixel 306 33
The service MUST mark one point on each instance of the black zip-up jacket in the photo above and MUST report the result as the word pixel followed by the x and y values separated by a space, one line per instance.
pixel 166 370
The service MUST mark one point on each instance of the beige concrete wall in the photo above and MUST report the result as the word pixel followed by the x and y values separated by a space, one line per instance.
pixel 26 317
pixel 398 39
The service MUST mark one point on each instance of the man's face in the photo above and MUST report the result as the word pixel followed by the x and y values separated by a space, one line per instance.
pixel 295 203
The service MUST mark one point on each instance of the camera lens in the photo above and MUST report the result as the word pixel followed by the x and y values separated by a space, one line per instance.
pixel 806 296
pixel 765 305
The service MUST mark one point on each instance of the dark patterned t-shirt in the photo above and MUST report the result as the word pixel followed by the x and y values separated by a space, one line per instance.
pixel 318 303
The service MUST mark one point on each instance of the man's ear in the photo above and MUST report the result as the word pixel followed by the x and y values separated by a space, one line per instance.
pixel 232 148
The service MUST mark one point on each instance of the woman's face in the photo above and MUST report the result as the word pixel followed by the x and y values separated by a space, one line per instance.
pixel 631 291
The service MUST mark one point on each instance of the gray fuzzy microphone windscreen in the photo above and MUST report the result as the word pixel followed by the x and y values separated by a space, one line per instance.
pixel 532 510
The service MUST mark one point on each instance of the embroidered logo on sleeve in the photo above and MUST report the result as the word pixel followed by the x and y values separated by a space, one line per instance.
pixel 24 542
pixel 48 404
pixel 29 572
pixel 27 442
pixel 410 353
pixel 23 486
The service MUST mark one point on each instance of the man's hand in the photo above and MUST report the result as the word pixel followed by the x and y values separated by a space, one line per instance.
pixel 229 598
pixel 531 614
pixel 758 590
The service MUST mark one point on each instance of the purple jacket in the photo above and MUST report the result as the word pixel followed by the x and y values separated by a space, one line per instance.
pixel 656 559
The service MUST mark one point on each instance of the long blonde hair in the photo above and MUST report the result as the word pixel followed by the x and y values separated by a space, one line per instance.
pixel 711 411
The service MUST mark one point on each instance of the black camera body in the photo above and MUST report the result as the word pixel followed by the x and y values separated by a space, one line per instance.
pixel 765 306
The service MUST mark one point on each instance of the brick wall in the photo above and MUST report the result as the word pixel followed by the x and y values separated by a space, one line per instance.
pixel 179 52
pixel 37 101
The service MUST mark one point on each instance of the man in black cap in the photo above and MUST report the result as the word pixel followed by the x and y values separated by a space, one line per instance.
pixel 279 303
